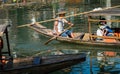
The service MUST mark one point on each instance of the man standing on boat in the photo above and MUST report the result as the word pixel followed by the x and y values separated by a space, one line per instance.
pixel 59 26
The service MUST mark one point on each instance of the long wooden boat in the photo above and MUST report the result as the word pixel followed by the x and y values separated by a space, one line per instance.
pixel 88 38
pixel 80 38
pixel 42 64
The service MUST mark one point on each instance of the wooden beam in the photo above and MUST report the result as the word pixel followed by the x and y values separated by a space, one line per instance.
pixel 109 37
pixel 92 20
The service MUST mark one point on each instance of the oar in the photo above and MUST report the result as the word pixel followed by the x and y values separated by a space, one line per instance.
pixel 56 36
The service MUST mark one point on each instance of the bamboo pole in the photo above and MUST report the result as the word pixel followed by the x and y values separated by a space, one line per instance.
pixel 92 20
pixel 89 27
pixel 8 43
pixel 71 15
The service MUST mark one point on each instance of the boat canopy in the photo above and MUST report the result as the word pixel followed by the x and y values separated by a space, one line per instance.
pixel 105 12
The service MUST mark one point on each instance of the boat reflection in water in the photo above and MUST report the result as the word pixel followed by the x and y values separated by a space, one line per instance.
pixel 102 62
pixel 109 62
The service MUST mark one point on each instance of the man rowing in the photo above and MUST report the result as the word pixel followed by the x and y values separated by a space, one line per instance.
pixel 59 26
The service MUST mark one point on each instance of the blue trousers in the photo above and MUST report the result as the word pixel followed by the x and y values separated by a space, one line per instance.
pixel 66 33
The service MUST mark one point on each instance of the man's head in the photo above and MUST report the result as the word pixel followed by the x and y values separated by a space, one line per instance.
pixel 61 13
pixel 103 21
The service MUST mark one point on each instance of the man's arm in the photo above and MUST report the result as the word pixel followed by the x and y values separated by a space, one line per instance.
pixel 69 23
pixel 56 27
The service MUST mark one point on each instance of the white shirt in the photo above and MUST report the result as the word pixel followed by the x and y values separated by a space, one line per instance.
pixel 99 32
pixel 33 20
pixel 60 25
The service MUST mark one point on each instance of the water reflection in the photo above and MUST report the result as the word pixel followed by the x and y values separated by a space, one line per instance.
pixel 108 61
pixel 102 62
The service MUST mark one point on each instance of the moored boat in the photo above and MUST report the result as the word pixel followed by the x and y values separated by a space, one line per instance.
pixel 42 64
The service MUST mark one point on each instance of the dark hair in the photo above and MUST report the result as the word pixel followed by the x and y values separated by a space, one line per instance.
pixel 102 20
pixel 61 14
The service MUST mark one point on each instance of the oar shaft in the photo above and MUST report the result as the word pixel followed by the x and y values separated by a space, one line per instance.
pixel 56 36
pixel 50 40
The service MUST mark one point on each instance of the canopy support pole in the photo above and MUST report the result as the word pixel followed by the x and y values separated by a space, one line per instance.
pixel 7 39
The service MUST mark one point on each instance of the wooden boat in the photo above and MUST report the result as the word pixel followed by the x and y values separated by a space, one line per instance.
pixel 42 64
pixel 88 38
pixel 80 38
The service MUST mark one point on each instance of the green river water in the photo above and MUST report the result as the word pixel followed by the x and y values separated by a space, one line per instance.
pixel 26 42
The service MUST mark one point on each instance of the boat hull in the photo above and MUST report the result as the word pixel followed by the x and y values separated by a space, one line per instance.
pixel 85 40
pixel 47 64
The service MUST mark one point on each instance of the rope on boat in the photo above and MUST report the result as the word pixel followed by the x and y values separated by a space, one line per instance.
pixel 72 15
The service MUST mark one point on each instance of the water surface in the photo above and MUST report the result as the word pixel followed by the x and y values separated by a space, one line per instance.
pixel 26 42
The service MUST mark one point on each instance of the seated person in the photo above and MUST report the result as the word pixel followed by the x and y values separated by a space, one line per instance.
pixel 107 31
pixel 59 26
pixel 104 29
pixel 99 33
